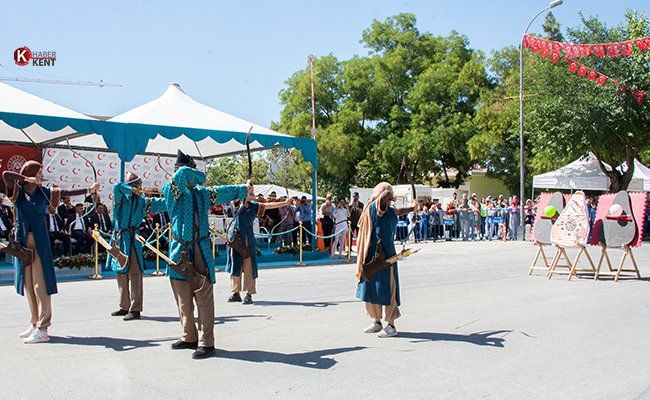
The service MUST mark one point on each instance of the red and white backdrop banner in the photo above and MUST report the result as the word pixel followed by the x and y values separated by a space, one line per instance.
pixel 67 170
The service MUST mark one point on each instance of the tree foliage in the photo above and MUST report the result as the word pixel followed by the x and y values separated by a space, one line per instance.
pixel 412 97
pixel 430 101
pixel 566 115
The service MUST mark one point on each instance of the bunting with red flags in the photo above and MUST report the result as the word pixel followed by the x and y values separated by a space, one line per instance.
pixel 620 49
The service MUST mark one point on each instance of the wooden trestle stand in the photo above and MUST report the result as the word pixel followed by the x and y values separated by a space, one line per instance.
pixel 616 273
pixel 572 267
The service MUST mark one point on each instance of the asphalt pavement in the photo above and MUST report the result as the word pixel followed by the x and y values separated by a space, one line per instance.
pixel 474 325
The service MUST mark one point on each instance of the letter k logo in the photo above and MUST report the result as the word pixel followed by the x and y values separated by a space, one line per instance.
pixel 22 56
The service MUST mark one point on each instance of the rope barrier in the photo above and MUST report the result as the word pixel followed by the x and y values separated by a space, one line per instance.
pixel 267 235
pixel 327 237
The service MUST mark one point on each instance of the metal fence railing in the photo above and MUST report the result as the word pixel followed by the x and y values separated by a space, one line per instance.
pixel 486 224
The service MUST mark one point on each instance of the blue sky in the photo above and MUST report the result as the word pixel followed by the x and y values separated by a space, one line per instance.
pixel 234 56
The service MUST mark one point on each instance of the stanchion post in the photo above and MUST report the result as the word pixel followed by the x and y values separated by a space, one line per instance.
pixel 348 260
pixel 300 264
pixel 214 245
pixel 157 272
pixel 96 275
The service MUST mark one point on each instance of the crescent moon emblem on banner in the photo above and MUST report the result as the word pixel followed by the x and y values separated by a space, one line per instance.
pixel 112 165
pixel 76 170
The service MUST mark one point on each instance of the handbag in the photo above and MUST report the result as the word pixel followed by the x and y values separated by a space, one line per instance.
pixel 238 245
pixel 377 264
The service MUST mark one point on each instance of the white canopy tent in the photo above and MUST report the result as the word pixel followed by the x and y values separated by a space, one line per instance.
pixel 176 109
pixel 640 179
pixel 173 121
pixel 280 191
pixel 585 174
pixel 41 122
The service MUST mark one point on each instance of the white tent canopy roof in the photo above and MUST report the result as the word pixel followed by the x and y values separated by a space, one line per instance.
pixel 16 103
pixel 171 122
pixel 280 191
pixel 176 121
pixel 584 173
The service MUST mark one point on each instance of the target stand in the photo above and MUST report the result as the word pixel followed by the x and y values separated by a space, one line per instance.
pixel 572 267
pixel 540 251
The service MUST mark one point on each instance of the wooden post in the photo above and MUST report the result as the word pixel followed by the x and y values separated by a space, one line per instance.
pixel 96 275
pixel 300 264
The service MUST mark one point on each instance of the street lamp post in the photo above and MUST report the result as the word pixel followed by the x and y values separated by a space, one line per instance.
pixel 522 201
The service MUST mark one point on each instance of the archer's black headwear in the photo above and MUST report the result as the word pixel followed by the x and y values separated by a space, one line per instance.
pixel 132 179
pixel 184 160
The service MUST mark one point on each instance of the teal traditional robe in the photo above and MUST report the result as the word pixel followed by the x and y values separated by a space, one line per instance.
pixel 30 214
pixel 377 291
pixel 128 211
pixel 182 202
pixel 244 222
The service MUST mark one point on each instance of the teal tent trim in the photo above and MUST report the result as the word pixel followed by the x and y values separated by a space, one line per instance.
pixel 128 139
pixel 52 123
pixel 131 138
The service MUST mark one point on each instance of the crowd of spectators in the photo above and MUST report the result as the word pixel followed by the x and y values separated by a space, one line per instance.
pixel 464 219
pixel 467 218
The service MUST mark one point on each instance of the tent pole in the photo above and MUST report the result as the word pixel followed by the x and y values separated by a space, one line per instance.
pixel 122 167
pixel 314 207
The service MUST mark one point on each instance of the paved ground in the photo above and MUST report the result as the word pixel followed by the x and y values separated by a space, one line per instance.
pixel 474 325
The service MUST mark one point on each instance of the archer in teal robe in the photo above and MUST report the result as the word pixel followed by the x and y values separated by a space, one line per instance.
pixel 129 211
pixel 182 205
pixel 244 222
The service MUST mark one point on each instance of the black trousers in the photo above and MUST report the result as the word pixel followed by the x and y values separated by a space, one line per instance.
pixel 84 241
pixel 328 224
pixel 62 237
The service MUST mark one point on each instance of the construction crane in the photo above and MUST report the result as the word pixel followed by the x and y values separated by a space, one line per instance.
pixel 54 81
pixel 18 79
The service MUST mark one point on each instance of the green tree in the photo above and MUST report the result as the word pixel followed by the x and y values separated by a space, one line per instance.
pixel 413 97
pixel 574 115
pixel 566 115
pixel 552 28
pixel 234 170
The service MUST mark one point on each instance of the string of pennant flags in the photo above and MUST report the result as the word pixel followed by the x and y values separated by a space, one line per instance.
pixel 545 47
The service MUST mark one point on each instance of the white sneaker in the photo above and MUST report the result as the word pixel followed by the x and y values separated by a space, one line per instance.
pixel 38 336
pixel 388 331
pixel 28 332
pixel 374 327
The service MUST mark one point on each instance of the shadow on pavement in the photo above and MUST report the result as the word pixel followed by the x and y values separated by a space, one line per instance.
pixel 483 338
pixel 117 344
pixel 311 359
pixel 217 320
pixel 319 304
